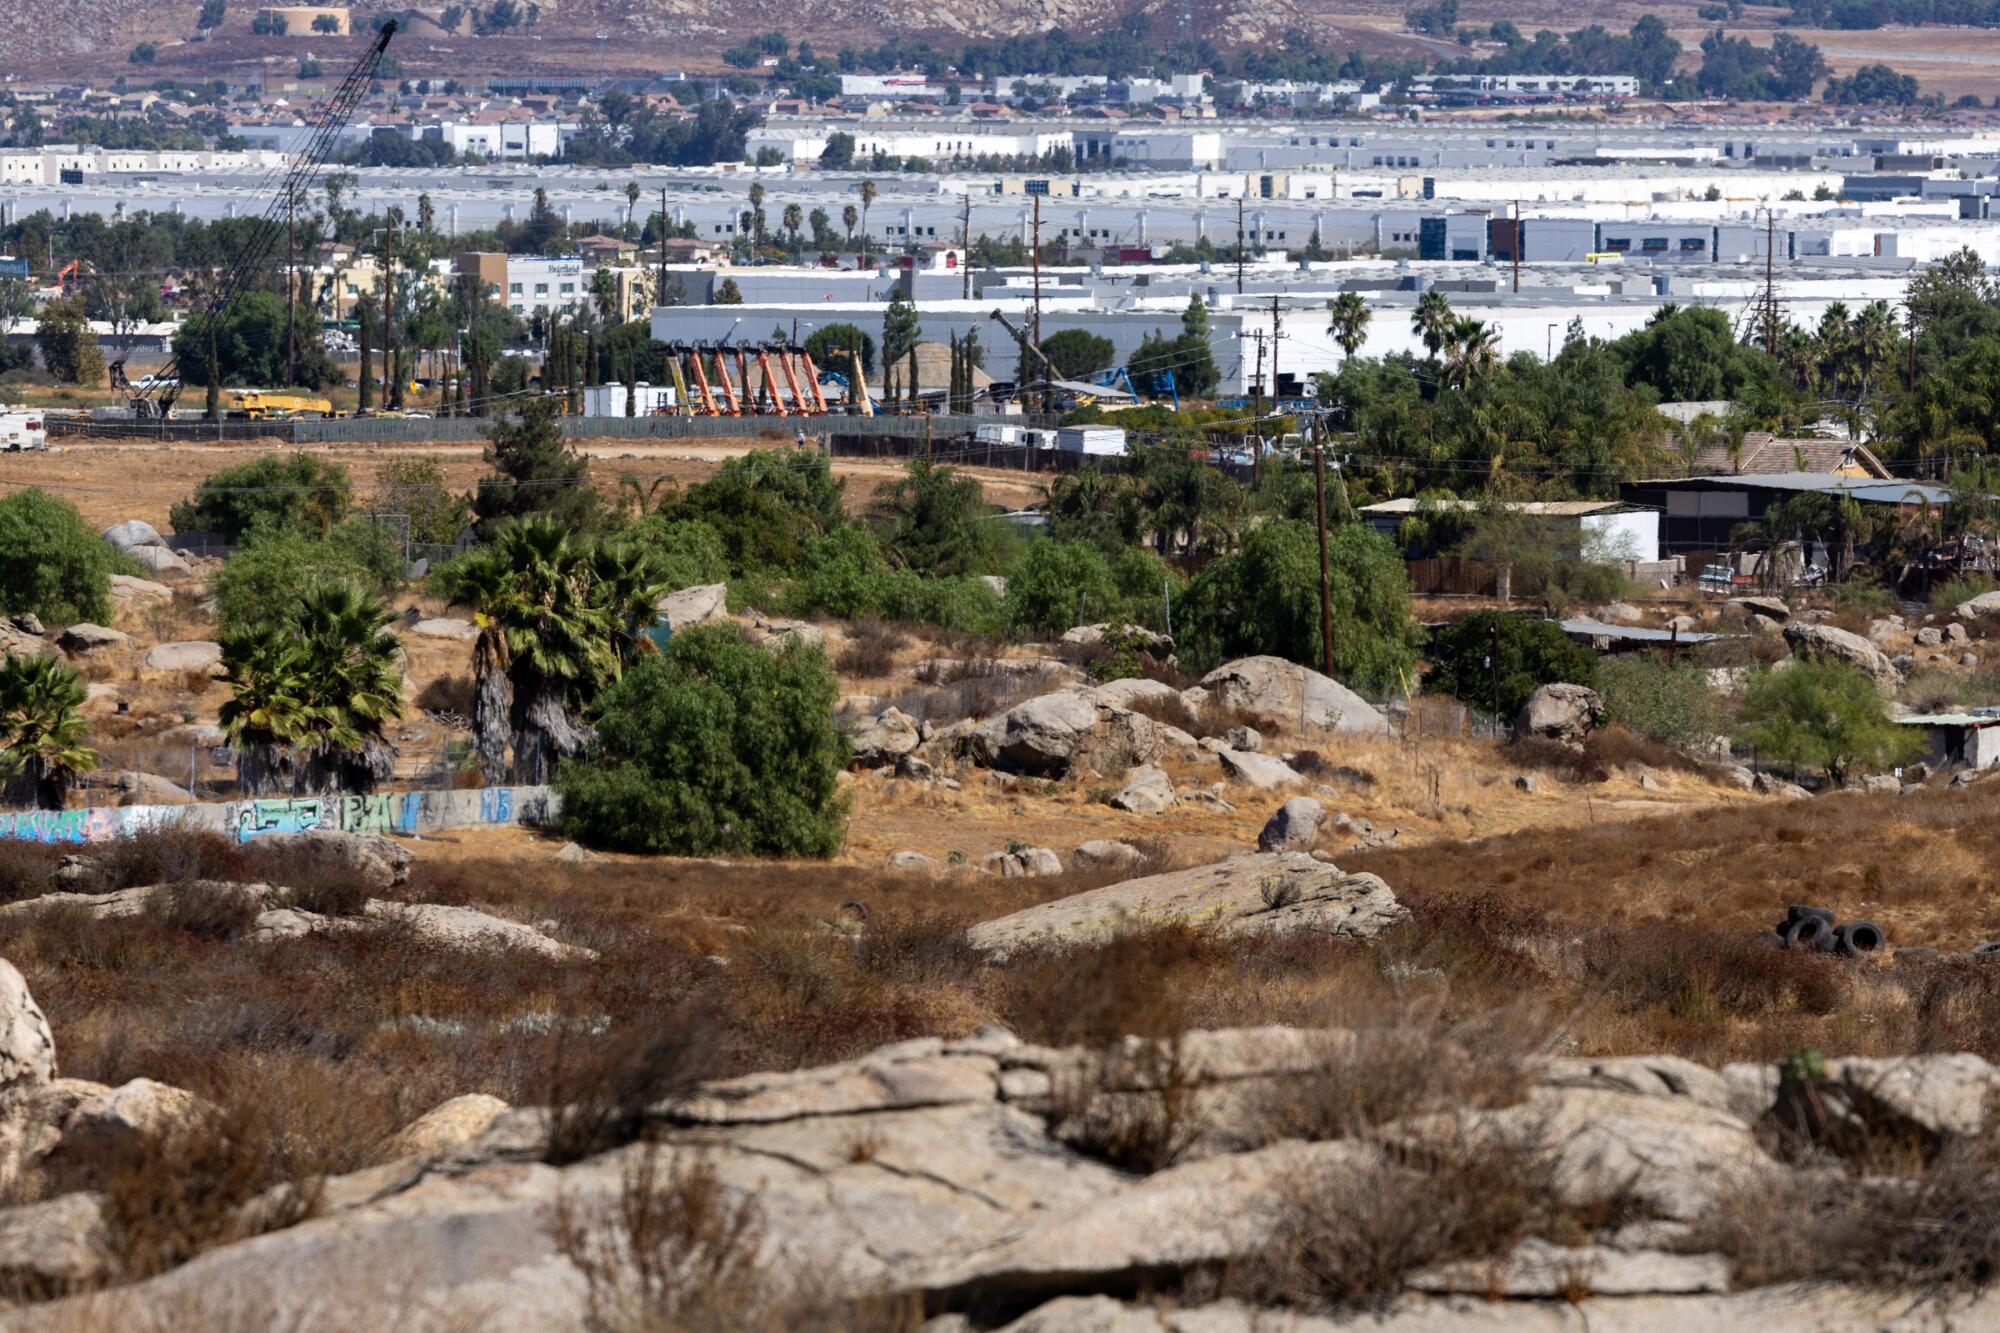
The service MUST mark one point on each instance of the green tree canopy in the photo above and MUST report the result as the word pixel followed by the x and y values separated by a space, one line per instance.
pixel 294 491
pixel 1078 354
pixel 1824 715
pixel 1525 651
pixel 250 344
pixel 715 746
pixel 51 564
pixel 1265 599
pixel 535 472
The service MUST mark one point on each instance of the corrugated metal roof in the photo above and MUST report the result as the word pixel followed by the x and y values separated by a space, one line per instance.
pixel 1597 629
pixel 1893 491
pixel 1545 508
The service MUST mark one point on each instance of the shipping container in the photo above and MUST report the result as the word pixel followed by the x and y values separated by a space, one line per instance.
pixel 1103 441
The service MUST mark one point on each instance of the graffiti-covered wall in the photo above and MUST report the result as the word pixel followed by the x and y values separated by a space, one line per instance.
pixel 408 813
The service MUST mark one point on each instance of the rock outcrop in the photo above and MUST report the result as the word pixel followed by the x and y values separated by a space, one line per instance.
pixel 1561 712
pixel 1826 643
pixel 1054 734
pixel 27 1050
pixel 1292 694
pixel 1293 827
pixel 695 606
pixel 1257 893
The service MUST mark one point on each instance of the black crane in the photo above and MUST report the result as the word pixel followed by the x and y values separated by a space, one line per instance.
pixel 157 399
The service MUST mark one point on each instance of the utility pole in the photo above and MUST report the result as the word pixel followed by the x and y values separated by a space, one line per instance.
pixel 1239 245
pixel 1325 577
pixel 660 296
pixel 1275 335
pixel 1257 414
pixel 291 292
pixel 1035 259
pixel 1770 283
pixel 965 248
pixel 393 397
pixel 1517 246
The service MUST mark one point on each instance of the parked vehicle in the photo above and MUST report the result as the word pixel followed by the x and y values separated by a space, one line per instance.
pixel 21 429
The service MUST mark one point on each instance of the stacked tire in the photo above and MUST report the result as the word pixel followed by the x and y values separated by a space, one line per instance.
pixel 1812 929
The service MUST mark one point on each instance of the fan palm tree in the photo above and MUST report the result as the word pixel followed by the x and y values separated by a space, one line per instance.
pixel 867 198
pixel 42 730
pixel 794 219
pixel 1349 322
pixel 1834 339
pixel 848 217
pixel 1471 350
pixel 631 201
pixel 559 616
pixel 310 696
pixel 1872 342
pixel 1431 321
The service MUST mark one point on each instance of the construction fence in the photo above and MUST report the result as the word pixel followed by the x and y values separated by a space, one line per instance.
pixel 474 430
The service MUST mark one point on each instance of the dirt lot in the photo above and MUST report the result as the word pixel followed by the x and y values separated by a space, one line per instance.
pixel 111 481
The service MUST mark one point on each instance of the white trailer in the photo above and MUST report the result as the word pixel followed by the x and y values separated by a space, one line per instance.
pixel 608 400
pixel 1007 435
pixel 1101 441
pixel 22 428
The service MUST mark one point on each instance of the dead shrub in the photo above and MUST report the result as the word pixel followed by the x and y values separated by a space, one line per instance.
pixel 1212 718
pixel 205 909
pixel 447 694
pixel 675 1253
pixel 196 682
pixel 1135 1106
pixel 1567 764
pixel 1172 710
pixel 1350 1235
pixel 1137 983
pixel 320 877
pixel 871 648
pixel 1414 1058
pixel 27 869
pixel 1935 1230
pixel 916 950
pixel 1703 978
pixel 167 854
pixel 169 1197
pixel 1616 747
pixel 602 1087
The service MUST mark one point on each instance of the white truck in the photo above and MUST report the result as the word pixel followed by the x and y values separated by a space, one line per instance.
pixel 1101 441
pixel 22 428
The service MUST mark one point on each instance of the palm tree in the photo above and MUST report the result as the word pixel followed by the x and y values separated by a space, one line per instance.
pixel 559 616
pixel 757 209
pixel 42 730
pixel 1431 320
pixel 631 201
pixel 817 220
pixel 795 218
pixel 848 217
pixel 1834 338
pixel 1349 323
pixel 1872 341
pixel 604 293
pixel 310 696
pixel 867 198
pixel 1472 349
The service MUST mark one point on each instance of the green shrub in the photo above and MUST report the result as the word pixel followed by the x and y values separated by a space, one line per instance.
pixel 1672 704
pixel 263 578
pixel 1265 599
pixel 691 552
pixel 1950 595
pixel 290 491
pixel 1824 715
pixel 842 574
pixel 51 564
pixel 716 745
pixel 1532 652
pixel 765 506
pixel 1052 582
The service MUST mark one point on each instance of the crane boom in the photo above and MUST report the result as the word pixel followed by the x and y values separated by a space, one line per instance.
pixel 263 236
pixel 1026 342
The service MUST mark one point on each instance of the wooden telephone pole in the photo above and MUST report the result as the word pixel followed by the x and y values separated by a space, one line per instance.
pixel 1239 245
pixel 965 248
pixel 1035 258
pixel 660 296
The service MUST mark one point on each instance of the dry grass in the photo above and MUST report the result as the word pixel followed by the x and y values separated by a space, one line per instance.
pixel 1134 1106
pixel 871 648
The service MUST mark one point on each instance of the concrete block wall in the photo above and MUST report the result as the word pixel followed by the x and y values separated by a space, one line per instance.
pixel 404 813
